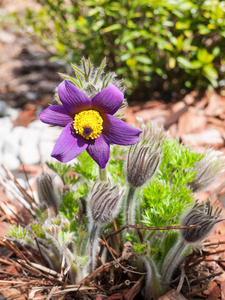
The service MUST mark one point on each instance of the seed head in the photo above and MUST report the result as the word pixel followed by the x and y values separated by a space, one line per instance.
pixel 144 157
pixel 208 168
pixel 104 203
pixel 200 214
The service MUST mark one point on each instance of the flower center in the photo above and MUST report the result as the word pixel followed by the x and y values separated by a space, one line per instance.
pixel 88 123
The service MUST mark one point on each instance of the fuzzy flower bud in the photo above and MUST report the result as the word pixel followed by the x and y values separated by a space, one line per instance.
pixel 104 203
pixel 208 168
pixel 200 214
pixel 46 193
pixel 144 157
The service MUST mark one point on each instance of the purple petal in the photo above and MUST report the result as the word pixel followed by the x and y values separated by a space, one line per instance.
pixel 99 151
pixel 108 100
pixel 73 99
pixel 69 145
pixel 115 131
pixel 55 115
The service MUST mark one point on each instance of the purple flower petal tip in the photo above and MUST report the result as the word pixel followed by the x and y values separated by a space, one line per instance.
pixel 73 99
pixel 108 100
pixel 55 115
pixel 99 150
pixel 118 132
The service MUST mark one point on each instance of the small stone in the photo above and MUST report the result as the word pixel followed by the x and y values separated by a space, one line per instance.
pixel 46 87
pixel 11 161
pixel 37 124
pixel 12 141
pixel 30 136
pixel 50 133
pixel 45 148
pixel 22 89
pixel 2 140
pixel 29 154
pixel 18 131
pixel 3 108
pixel 11 146
pixel 5 124
pixel 31 96
pixel 13 113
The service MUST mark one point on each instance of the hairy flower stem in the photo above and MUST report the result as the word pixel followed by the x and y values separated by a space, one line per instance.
pixel 130 206
pixel 103 174
pixel 152 288
pixel 93 246
pixel 172 260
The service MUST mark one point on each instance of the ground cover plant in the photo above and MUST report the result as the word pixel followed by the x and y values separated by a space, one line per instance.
pixel 170 46
pixel 130 190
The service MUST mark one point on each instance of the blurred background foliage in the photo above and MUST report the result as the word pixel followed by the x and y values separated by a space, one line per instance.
pixel 167 47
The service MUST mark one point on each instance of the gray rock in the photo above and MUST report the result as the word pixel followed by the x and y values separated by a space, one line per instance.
pixel 45 148
pixel 30 136
pixel 3 108
pixel 46 87
pixel 5 124
pixel 37 124
pixel 12 140
pixel 31 96
pixel 11 145
pixel 18 131
pixel 3 135
pixel 29 154
pixel 51 133
pixel 13 113
pixel 11 161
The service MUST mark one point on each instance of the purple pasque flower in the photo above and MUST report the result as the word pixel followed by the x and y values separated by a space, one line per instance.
pixel 89 123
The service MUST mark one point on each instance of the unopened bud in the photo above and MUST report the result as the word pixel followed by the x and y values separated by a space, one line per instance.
pixel 104 203
pixel 46 193
pixel 144 157
pixel 200 214
pixel 208 168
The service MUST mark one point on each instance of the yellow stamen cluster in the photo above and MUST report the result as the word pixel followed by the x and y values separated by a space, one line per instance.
pixel 88 123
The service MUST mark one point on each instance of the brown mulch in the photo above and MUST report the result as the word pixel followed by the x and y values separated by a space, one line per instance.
pixel 25 274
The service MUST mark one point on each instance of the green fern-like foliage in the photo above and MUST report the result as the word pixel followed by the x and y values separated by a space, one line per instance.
pixel 167 196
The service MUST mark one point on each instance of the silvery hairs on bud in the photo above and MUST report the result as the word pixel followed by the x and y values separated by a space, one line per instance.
pixel 144 157
pixel 91 79
pixel 102 206
pixel 201 214
pixel 208 168
pixel 46 193
pixel 104 203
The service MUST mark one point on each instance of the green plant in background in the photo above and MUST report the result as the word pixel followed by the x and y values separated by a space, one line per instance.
pixel 160 45
pixel 151 184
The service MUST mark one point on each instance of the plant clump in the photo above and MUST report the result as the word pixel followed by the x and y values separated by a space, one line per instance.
pixel 148 179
